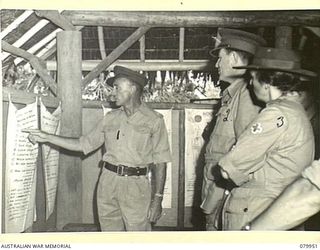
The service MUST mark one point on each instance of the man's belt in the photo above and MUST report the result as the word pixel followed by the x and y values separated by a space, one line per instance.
pixel 123 170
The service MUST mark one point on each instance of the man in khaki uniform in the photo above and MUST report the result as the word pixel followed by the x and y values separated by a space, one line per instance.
pixel 299 201
pixel 236 48
pixel 277 146
pixel 135 138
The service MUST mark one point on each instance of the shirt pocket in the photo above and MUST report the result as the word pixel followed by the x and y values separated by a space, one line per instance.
pixel 140 137
pixel 111 133
pixel 223 137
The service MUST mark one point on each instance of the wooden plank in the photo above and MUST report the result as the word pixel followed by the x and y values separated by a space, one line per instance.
pixel 181 180
pixel 35 62
pixel 283 37
pixel 142 48
pixel 154 105
pixel 26 36
pixel 115 54
pixel 40 224
pixel 15 23
pixel 69 195
pixel 23 97
pixel 147 65
pixel 55 17
pixel 3 136
pixel 194 18
pixel 102 46
pixel 181 44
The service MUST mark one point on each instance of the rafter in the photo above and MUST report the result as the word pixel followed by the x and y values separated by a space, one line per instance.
pixel 36 63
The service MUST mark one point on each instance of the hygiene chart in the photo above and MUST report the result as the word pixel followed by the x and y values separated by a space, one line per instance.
pixel 50 122
pixel 195 122
pixel 21 166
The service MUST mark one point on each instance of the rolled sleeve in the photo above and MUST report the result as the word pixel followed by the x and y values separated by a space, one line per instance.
pixel 94 139
pixel 161 149
pixel 312 173
pixel 236 175
pixel 250 152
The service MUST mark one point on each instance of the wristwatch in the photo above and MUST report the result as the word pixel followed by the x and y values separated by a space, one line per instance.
pixel 158 195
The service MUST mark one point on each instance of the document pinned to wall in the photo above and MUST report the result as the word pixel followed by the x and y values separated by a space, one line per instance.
pixel 167 195
pixel 195 122
pixel 21 162
pixel 50 122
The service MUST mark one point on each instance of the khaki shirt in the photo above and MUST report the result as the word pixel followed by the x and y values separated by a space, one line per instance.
pixel 268 156
pixel 136 140
pixel 236 113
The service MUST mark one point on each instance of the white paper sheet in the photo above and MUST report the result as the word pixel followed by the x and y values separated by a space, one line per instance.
pixel 21 158
pixel 195 122
pixel 167 195
pixel 50 156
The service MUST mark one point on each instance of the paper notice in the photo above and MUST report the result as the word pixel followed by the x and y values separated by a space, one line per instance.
pixel 50 156
pixel 167 195
pixel 20 176
pixel 195 122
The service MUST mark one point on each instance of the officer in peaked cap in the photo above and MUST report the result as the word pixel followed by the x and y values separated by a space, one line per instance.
pixel 233 48
pixel 136 143
pixel 134 76
pixel 237 40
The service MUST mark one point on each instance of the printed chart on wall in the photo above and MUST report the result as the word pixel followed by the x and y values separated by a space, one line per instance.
pixel 50 122
pixel 167 116
pixel 167 195
pixel 20 176
pixel 195 122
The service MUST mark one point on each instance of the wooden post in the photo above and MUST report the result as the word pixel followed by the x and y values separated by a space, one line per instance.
pixel 55 17
pixel 283 37
pixel 181 179
pixel 69 196
pixel 181 45
pixel 142 43
pixel 102 45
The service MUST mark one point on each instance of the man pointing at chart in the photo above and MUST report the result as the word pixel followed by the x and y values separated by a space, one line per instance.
pixel 136 142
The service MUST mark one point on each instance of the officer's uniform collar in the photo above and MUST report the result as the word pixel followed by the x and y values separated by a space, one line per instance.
pixel 233 88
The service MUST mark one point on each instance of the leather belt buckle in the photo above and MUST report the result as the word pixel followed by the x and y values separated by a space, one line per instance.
pixel 138 171
pixel 120 170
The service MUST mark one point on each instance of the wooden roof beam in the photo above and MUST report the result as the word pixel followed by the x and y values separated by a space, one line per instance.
pixel 194 19
pixel 114 55
pixel 146 65
pixel 55 17
pixel 35 62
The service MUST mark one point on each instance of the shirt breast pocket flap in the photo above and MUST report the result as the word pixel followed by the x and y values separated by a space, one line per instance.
pixel 142 129
pixel 109 129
